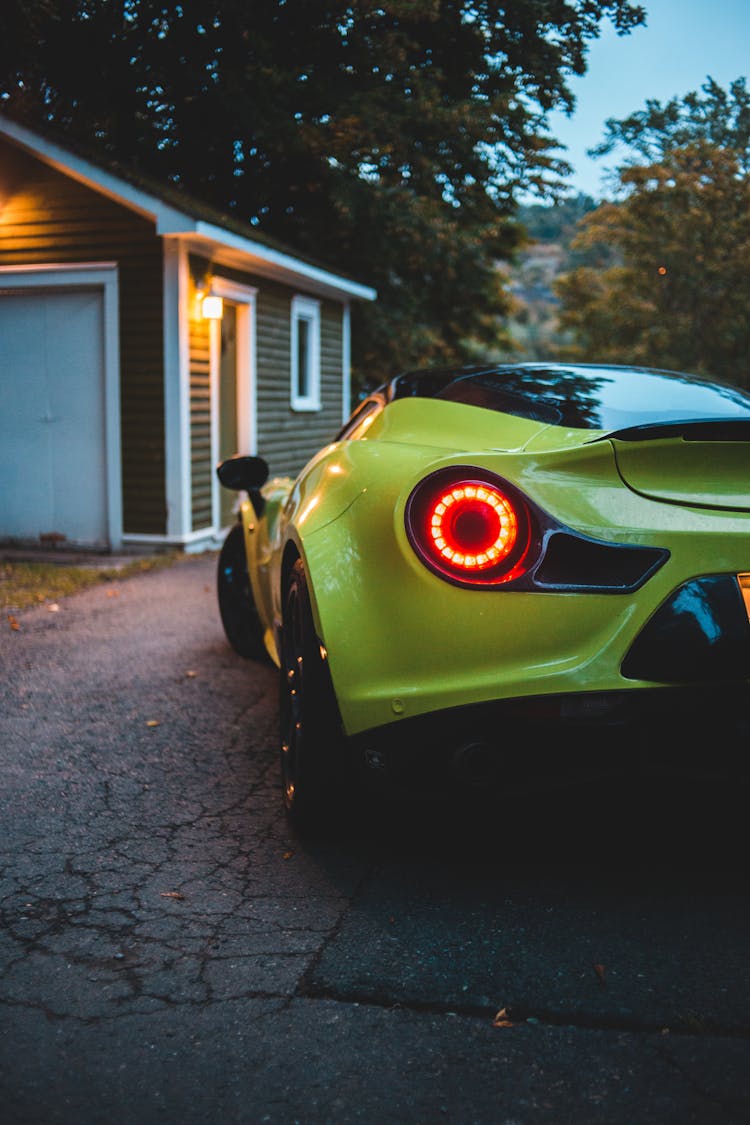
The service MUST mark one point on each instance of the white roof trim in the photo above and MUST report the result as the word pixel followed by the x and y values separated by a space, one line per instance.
pixel 171 221
pixel 282 261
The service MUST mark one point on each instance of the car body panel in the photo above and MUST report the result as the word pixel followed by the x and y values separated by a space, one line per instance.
pixel 401 642
pixel 676 471
pixel 442 646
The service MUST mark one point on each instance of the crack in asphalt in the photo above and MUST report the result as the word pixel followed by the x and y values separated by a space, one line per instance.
pixel 518 1015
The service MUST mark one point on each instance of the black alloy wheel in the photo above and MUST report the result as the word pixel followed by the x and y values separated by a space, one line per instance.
pixel 310 726
pixel 239 616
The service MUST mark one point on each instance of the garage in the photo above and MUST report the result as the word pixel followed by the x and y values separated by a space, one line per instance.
pixel 117 361
pixel 54 463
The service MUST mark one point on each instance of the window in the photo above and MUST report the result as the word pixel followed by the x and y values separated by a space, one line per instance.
pixel 305 354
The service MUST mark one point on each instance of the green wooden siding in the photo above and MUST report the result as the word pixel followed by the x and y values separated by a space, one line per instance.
pixel 49 217
pixel 200 425
pixel 287 438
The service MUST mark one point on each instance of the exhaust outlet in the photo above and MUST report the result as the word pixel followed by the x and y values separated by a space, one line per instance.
pixel 475 762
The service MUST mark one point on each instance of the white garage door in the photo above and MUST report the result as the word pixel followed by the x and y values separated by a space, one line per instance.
pixel 53 469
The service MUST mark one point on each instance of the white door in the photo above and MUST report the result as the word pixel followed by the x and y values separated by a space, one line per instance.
pixel 53 464
pixel 233 406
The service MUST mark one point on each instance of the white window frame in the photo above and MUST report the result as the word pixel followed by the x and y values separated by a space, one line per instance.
pixel 308 310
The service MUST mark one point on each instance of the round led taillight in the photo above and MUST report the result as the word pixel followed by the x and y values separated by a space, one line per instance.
pixel 472 526
pixel 473 530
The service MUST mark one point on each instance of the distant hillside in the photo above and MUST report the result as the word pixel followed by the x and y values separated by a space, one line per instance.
pixel 551 229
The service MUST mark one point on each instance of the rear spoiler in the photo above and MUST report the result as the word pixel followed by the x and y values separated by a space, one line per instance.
pixel 718 429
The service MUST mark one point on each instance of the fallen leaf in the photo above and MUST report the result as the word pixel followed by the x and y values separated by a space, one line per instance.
pixel 191 674
pixel 53 607
pixel 287 855
pixel 113 593
pixel 12 622
pixel 501 1019
pixel 152 722
pixel 599 970
pixel 173 894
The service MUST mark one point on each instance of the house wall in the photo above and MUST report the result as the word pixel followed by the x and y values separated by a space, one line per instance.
pixel 286 438
pixel 45 218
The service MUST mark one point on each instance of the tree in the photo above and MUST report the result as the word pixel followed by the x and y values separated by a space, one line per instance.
pixel 719 117
pixel 677 294
pixel 557 222
pixel 388 139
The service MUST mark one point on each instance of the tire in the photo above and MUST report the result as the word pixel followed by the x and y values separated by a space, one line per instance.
pixel 311 743
pixel 239 616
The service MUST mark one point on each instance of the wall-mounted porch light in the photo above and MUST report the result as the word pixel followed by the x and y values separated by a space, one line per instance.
pixel 212 307
pixel 208 306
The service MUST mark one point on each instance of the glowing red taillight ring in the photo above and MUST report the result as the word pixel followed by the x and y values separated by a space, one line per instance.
pixel 470 527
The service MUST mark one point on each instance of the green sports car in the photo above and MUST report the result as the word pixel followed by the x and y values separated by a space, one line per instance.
pixel 489 547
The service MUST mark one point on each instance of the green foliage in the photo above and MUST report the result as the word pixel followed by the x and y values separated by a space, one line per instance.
pixel 390 140
pixel 717 116
pixel 556 222
pixel 675 292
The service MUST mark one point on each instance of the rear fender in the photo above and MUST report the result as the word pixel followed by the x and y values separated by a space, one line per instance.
pixel 261 534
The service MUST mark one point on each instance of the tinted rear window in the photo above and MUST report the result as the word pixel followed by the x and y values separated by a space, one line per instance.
pixel 580 396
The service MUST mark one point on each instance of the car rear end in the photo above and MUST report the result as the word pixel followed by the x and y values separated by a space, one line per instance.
pixel 623 599
pixel 629 604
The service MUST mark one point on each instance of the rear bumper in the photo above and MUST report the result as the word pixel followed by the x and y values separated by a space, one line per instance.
pixel 639 730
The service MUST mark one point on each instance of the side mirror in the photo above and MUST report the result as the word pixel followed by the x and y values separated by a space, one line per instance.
pixel 241 472
pixel 250 473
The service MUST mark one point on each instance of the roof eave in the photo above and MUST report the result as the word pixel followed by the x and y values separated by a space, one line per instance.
pixel 221 245
pixel 229 249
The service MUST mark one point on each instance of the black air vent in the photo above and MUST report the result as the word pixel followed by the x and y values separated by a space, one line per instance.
pixel 573 562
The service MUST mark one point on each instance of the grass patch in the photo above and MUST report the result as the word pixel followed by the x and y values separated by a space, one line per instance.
pixel 24 584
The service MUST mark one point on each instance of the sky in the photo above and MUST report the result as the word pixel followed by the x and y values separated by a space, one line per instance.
pixel 682 44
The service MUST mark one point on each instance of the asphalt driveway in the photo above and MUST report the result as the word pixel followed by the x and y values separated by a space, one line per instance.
pixel 170 952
